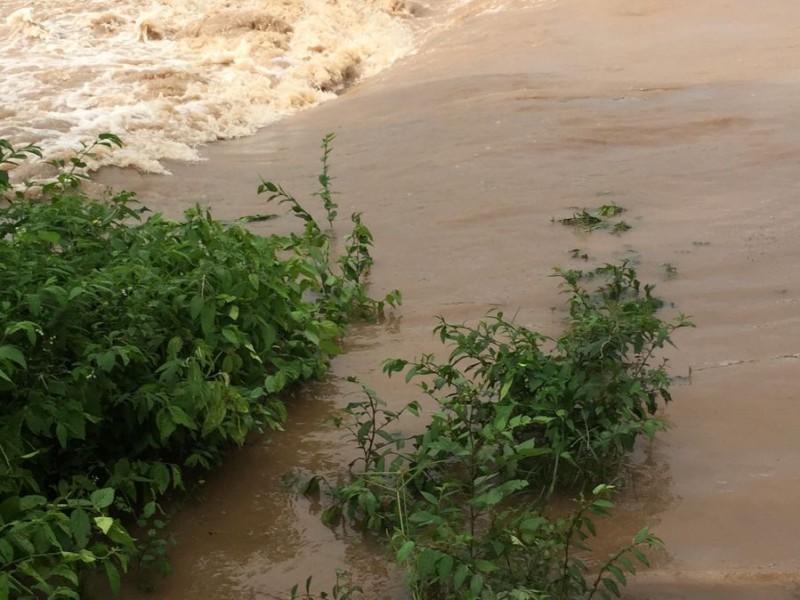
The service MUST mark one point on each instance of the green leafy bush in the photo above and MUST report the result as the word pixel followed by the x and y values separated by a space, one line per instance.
pixel 517 415
pixel 580 401
pixel 134 350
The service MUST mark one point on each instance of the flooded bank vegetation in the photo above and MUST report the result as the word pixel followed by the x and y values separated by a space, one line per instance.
pixel 517 416
pixel 135 350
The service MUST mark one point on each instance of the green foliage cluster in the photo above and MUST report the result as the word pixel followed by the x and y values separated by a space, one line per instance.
pixel 134 350
pixel 599 218
pixel 518 414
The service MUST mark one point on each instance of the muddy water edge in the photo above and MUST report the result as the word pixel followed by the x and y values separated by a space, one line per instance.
pixel 685 113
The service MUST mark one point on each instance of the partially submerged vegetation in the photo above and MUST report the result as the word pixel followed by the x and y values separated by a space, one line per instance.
pixel 135 350
pixel 602 217
pixel 517 415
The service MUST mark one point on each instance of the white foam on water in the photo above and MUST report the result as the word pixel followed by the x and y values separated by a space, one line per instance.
pixel 171 75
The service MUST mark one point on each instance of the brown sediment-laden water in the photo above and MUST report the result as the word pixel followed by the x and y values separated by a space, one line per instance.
pixel 460 155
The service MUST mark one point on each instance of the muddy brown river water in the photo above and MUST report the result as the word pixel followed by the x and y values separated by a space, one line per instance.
pixel 684 112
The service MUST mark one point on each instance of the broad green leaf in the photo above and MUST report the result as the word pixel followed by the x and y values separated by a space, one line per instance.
pixel 640 556
pixel 30 328
pixel 528 449
pixel 50 236
pixel 13 354
pixel 617 573
pixel 6 551
pixel 80 527
pixel 405 551
pixel 67 572
pixel 87 556
pixel 312 337
pixel 329 347
pixel 650 428
pixel 118 534
pixel 61 434
pixel 111 139
pixel 113 576
pixel 532 524
pixel 107 360
pixel 179 416
pixel 543 419
pixel 215 413
pixel 275 383
pixel 460 577
pixel 103 497
pixel 626 564
pixel 485 566
pixel 166 426
pixel 23 543
pixel 642 536
pixel 104 523
pixel 160 474
pixel 27 503
pixel 445 567
pixel 430 498
pixel 425 563
pixel 476 585
pixel 611 586
pixel 602 488
pixel 499 493
pixel 506 387
pixel 502 414
pixel 196 306
pixel 424 517
pixel 332 515
pixel 174 345
pixel 35 306
pixel 411 373
pixel 149 510
pixel 177 477
pixel 230 334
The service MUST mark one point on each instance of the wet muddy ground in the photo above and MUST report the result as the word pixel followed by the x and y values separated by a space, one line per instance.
pixel 686 114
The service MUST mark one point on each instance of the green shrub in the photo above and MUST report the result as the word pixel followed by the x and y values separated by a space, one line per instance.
pixel 584 397
pixel 135 350
pixel 517 415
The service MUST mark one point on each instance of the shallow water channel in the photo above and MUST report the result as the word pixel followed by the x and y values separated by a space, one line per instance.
pixel 686 114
